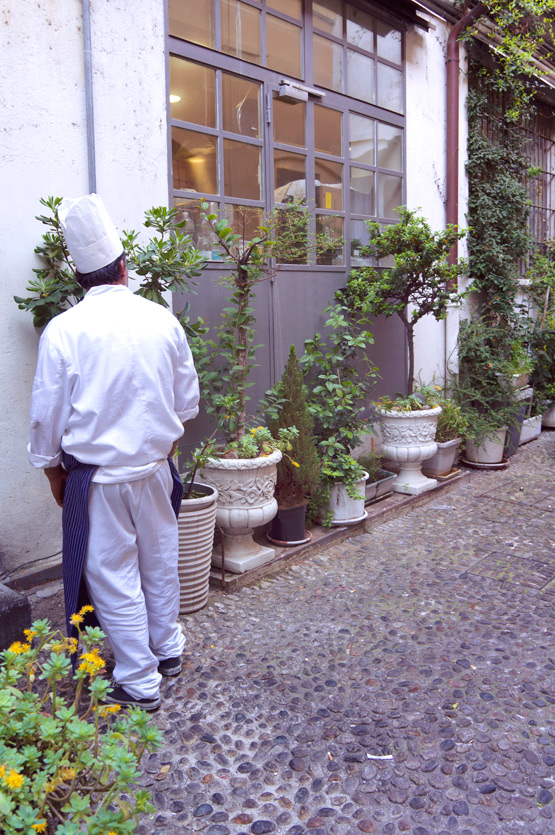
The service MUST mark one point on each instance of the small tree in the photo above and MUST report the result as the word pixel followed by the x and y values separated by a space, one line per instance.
pixel 297 473
pixel 168 261
pixel 225 362
pixel 419 283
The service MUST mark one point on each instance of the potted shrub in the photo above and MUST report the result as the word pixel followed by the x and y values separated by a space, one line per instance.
pixel 244 467
pixel 297 473
pixel 541 291
pixel 378 481
pixel 419 283
pixel 340 375
pixel 484 390
pixel 451 429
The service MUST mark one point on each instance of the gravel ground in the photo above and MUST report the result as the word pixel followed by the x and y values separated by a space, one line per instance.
pixel 401 681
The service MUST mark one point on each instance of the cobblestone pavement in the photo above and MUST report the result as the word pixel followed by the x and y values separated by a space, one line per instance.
pixel 401 681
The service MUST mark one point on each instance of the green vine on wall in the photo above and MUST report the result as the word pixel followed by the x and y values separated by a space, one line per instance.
pixel 500 102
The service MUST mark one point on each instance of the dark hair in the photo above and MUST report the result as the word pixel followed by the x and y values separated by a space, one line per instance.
pixel 110 274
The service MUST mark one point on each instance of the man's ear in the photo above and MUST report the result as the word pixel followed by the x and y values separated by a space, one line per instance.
pixel 123 274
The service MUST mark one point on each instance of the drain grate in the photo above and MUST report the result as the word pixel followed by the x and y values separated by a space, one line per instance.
pixel 520 571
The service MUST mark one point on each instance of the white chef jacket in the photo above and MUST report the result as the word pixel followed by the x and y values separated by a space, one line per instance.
pixel 115 381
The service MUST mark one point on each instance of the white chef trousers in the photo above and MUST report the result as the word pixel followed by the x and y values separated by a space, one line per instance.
pixel 131 574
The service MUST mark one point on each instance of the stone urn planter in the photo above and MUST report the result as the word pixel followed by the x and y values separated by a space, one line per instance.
pixel 346 510
pixel 408 438
pixel 245 501
pixel 195 526
pixel 443 460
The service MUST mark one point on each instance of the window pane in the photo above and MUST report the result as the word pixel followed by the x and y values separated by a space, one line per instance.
pixel 244 220
pixel 390 88
pixel 362 191
pixel 192 92
pixel 293 8
pixel 192 20
pixel 283 46
pixel 327 16
pixel 390 194
pixel 360 236
pixel 360 29
pixel 203 237
pixel 390 147
pixel 289 123
pixel 389 42
pixel 194 161
pixel 289 177
pixel 327 130
pixel 329 185
pixel 360 76
pixel 361 139
pixel 329 240
pixel 241 30
pixel 242 170
pixel 328 64
pixel 241 105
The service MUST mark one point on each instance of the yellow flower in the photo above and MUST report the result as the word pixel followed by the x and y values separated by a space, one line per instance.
pixel 107 709
pixel 18 648
pixel 91 662
pixel 437 388
pixel 13 780
pixel 84 609
pixel 39 827
pixel 295 463
pixel 76 619
pixel 29 634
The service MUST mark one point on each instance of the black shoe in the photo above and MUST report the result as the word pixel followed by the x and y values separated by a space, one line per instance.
pixel 169 666
pixel 118 696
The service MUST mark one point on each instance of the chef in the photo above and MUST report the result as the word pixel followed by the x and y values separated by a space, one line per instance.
pixel 115 384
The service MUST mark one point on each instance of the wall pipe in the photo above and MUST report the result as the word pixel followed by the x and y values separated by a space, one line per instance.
pixel 452 139
pixel 91 153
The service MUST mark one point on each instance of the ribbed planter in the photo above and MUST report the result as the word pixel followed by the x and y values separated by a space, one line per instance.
pixel 408 438
pixel 548 417
pixel 195 525
pixel 345 510
pixel 441 463
pixel 490 451
pixel 246 501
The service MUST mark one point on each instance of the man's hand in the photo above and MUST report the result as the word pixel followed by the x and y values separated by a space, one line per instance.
pixel 57 477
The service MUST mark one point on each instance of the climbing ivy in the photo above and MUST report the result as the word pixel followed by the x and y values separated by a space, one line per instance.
pixel 500 103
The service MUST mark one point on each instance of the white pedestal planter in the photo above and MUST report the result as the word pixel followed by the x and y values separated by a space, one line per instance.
pixel 195 525
pixel 443 460
pixel 548 417
pixel 490 451
pixel 531 428
pixel 246 500
pixel 408 438
pixel 345 510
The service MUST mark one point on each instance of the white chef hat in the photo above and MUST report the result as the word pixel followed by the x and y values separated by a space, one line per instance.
pixel 89 232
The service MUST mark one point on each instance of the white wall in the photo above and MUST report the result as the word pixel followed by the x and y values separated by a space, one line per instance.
pixel 426 172
pixel 44 152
